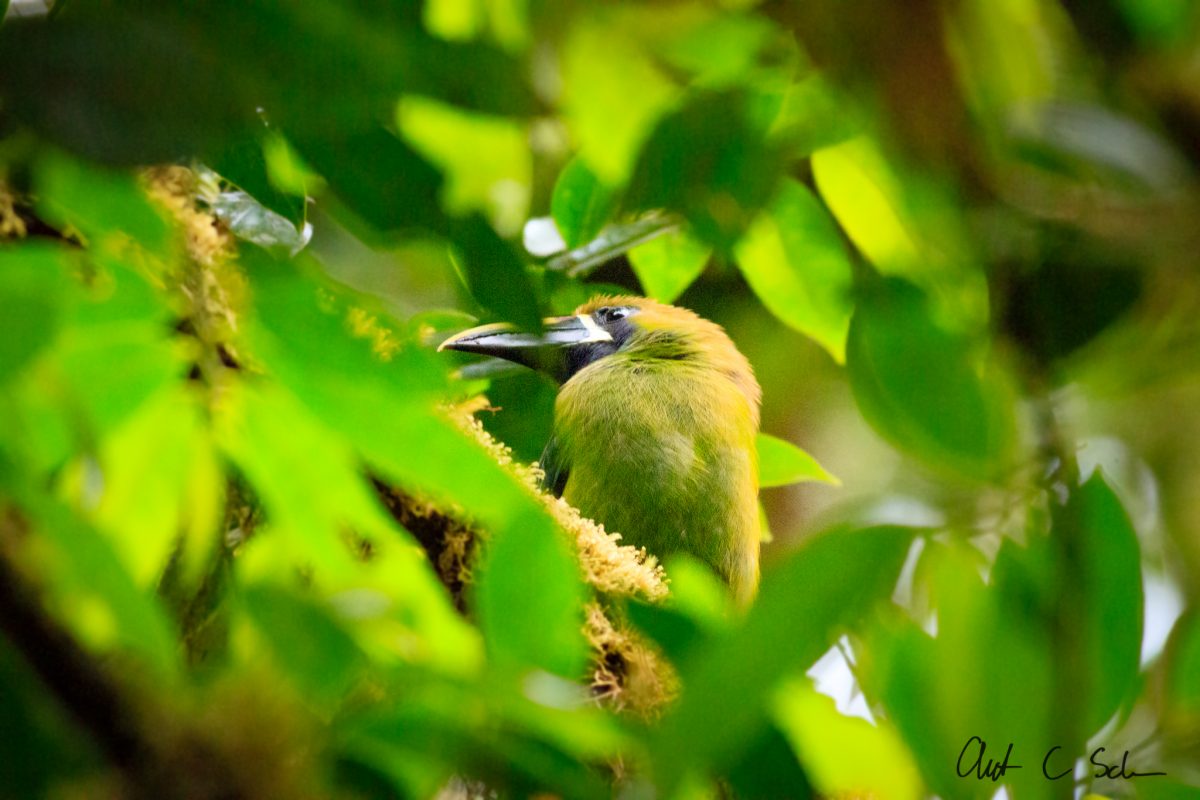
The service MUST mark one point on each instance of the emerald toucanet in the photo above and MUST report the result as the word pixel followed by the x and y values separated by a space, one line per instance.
pixel 654 427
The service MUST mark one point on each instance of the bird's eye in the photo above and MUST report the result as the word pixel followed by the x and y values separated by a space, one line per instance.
pixel 612 313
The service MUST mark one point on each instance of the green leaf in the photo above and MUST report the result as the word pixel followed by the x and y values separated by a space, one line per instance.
pixel 533 570
pixel 307 642
pixel 917 384
pixel 580 204
pixel 1096 529
pixel 991 646
pixel 711 162
pixel 486 159
pixel 845 756
pixel 613 94
pixel 669 264
pixel 795 261
pixel 99 203
pixel 494 273
pixel 33 288
pixel 844 574
pixel 1184 672
pixel 781 463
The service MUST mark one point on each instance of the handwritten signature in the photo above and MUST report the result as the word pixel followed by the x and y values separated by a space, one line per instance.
pixel 973 761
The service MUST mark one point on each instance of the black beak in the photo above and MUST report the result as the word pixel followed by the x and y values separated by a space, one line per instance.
pixel 557 351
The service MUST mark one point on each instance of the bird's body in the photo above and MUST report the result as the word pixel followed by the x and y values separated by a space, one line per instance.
pixel 654 431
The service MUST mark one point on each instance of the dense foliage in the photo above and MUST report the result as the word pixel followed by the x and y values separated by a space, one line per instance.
pixel 253 543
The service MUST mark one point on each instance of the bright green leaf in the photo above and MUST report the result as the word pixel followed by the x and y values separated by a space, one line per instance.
pixel 845 756
pixel 33 288
pixel 795 262
pixel 667 265
pixel 613 94
pixel 781 463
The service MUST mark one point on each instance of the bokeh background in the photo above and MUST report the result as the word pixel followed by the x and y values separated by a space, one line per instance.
pixel 959 241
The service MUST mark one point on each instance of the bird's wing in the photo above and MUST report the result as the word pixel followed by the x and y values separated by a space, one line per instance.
pixel 554 467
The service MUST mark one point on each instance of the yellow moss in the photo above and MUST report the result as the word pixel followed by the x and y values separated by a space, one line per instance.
pixel 628 673
pixel 11 224
pixel 366 326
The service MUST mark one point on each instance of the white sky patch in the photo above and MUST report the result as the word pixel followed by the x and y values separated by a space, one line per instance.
pixel 835 679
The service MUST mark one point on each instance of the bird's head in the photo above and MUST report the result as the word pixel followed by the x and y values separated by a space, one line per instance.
pixel 634 329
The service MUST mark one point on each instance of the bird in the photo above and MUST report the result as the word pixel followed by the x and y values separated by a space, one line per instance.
pixel 655 425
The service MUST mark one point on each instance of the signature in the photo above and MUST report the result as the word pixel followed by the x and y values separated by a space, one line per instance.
pixel 973 761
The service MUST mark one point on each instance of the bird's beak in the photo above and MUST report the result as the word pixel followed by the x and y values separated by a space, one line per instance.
pixel 549 351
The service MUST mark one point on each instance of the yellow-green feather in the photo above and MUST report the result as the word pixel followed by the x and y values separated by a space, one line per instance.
pixel 657 442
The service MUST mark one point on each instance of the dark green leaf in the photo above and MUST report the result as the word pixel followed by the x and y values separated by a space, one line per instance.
pixel 917 385
pixel 1105 559
pixel 581 204
pixel 307 642
pixel 712 163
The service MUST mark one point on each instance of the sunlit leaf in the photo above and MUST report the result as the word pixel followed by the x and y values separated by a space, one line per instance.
pixel 667 265
pixel 581 204
pixel 795 262
pixel 613 94
pixel 781 463
pixel 845 755
pixel 485 159
pixel 844 574
pixel 33 288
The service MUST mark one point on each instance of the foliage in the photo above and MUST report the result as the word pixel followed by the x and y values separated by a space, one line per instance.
pixel 253 543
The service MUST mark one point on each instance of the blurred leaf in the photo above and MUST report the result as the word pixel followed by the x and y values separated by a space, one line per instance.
pixel 380 178
pixel 39 746
pixel 667 265
pixel 613 94
pixel 765 534
pixel 99 203
pixel 33 288
pixel 917 385
pixel 719 49
pixel 1184 682
pixel 536 571
pixel 495 274
pixel 939 692
pixel 306 641
pixel 711 162
pixel 92 592
pixel 1098 532
pixel 159 483
pixel 580 204
pixel 863 194
pixel 613 241
pixel 845 573
pixel 485 159
pixel 814 115
pixel 794 260
pixel 845 755
pixel 781 463
pixel 266 433
pixel 769 770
